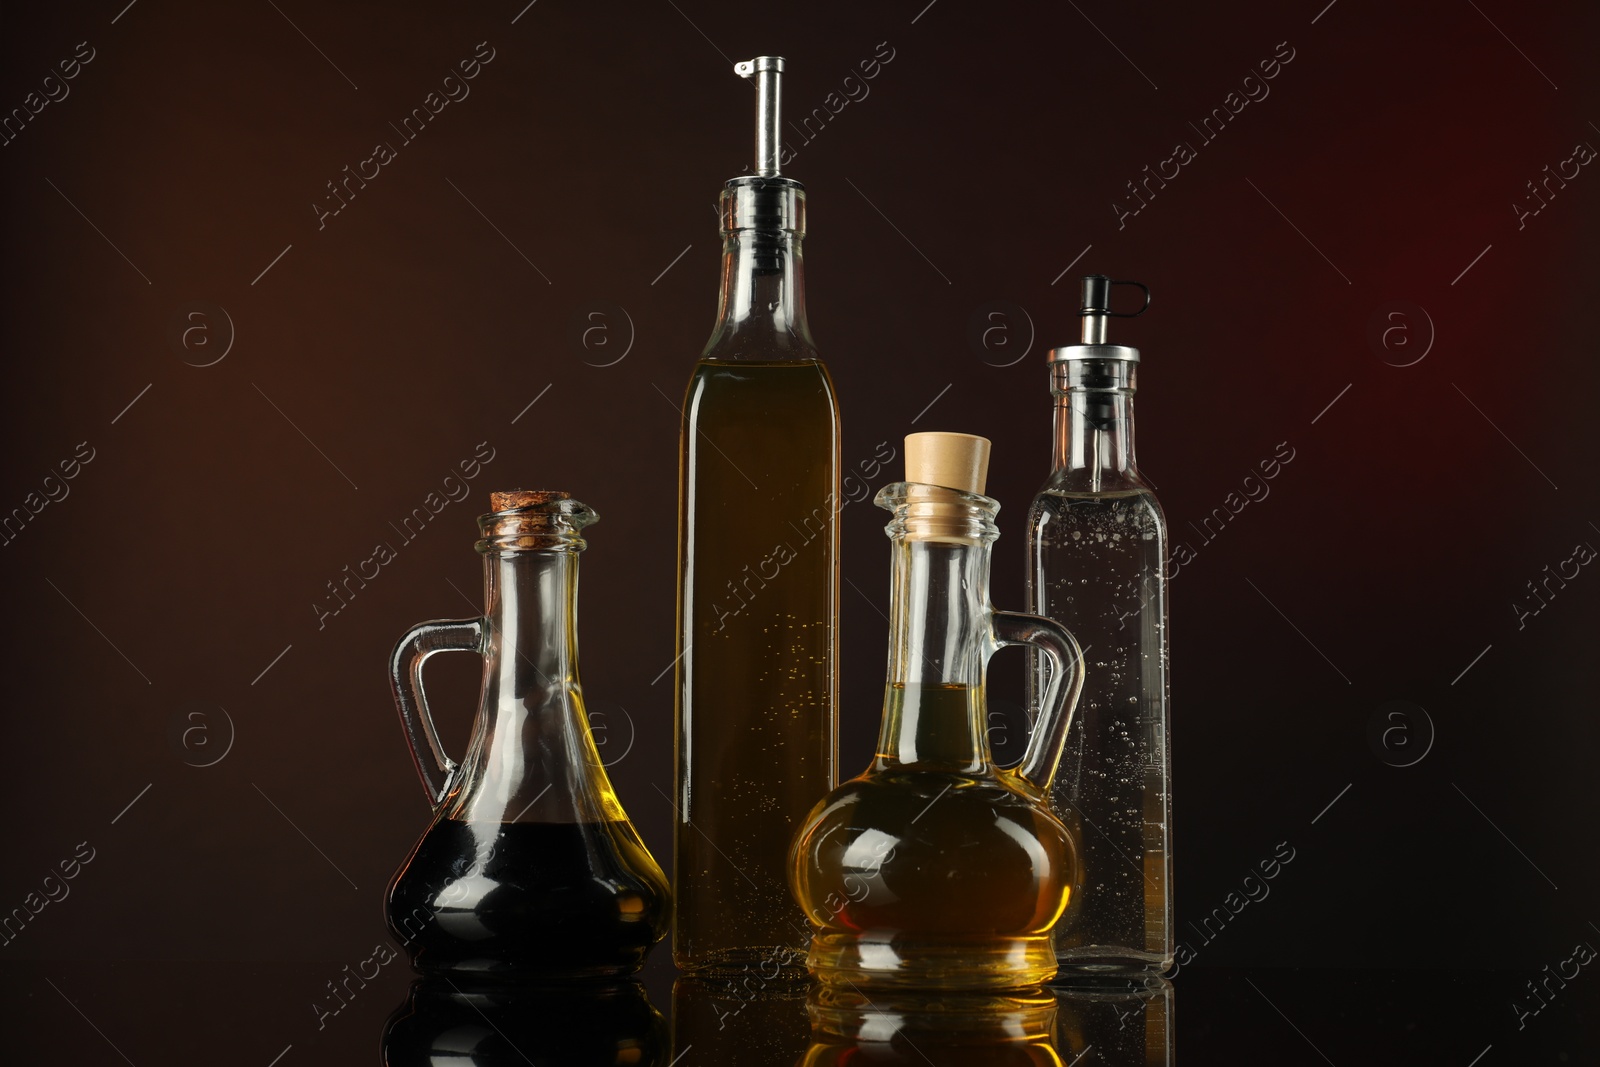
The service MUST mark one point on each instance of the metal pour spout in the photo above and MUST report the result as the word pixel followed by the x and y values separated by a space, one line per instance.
pixel 1097 307
pixel 1096 303
pixel 768 74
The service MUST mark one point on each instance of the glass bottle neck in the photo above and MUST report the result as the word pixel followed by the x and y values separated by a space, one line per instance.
pixel 934 707
pixel 531 608
pixel 1094 425
pixel 531 757
pixel 761 311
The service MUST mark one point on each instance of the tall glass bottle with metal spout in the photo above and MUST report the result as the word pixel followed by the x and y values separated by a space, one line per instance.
pixel 757 583
pixel 1097 549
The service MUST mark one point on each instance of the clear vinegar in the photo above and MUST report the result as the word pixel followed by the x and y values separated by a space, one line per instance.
pixel 1099 561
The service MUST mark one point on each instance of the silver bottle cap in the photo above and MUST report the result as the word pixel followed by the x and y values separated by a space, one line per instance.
pixel 764 200
pixel 768 74
pixel 1095 310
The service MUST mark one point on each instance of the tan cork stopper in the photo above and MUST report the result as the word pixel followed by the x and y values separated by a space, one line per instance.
pixel 523 498
pixel 953 460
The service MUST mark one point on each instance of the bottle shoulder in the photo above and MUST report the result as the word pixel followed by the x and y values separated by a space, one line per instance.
pixel 727 361
pixel 1070 499
pixel 1079 482
pixel 736 343
pixel 886 791
pixel 751 386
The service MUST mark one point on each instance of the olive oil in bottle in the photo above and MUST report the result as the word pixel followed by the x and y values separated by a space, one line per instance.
pixel 936 868
pixel 757 585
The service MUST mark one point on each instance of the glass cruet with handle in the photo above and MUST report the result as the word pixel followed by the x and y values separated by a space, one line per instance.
pixel 936 868
pixel 530 868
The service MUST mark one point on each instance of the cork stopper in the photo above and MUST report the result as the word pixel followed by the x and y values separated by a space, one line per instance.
pixel 953 460
pixel 940 469
pixel 526 519
pixel 524 498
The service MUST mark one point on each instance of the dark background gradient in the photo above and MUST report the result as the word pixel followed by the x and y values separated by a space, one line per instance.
pixel 374 353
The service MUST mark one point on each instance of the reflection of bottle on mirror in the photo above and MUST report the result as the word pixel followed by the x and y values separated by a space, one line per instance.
pixel 451 1023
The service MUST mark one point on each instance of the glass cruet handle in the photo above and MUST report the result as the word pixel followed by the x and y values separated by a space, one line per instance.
pixel 1038 764
pixel 405 677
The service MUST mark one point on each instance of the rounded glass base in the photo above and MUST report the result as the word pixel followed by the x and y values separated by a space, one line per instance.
pixel 870 960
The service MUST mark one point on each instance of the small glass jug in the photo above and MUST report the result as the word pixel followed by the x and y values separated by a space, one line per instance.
pixel 530 868
pixel 935 868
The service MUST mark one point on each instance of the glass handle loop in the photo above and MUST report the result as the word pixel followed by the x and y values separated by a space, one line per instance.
pixel 435 768
pixel 1038 764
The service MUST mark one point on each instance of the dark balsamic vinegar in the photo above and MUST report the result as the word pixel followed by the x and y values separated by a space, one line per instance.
pixel 458 1023
pixel 523 900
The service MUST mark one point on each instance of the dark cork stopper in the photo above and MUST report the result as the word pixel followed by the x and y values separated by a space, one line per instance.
pixel 523 498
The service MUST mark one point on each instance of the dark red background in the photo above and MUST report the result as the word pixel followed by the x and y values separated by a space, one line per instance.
pixel 991 147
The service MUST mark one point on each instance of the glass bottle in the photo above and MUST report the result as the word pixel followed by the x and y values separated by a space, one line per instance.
pixel 935 868
pixel 1097 549
pixel 530 867
pixel 756 738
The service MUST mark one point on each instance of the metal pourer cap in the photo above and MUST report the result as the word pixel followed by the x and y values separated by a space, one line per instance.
pixel 764 200
pixel 768 74
pixel 1095 309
